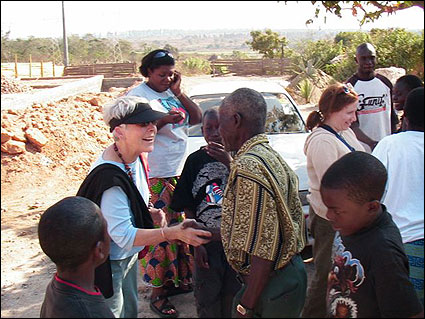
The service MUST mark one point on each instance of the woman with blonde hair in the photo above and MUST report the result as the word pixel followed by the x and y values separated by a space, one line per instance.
pixel 331 138
pixel 118 184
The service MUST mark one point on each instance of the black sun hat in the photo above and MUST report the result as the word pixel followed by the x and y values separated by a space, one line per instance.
pixel 143 113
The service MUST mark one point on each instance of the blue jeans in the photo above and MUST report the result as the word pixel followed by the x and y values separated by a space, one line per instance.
pixel 123 303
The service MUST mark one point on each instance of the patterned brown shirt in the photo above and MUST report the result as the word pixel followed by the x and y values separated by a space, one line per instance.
pixel 261 215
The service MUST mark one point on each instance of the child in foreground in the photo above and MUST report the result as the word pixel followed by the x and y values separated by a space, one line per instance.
pixel 73 234
pixel 369 277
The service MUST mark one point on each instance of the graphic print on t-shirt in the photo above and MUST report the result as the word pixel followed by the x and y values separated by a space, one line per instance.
pixel 209 184
pixel 345 277
pixel 372 104
pixel 172 104
pixel 214 194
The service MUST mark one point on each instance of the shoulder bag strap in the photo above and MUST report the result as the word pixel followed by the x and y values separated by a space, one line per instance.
pixel 330 129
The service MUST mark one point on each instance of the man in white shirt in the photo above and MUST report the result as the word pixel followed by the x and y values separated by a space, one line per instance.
pixel 376 117
pixel 403 156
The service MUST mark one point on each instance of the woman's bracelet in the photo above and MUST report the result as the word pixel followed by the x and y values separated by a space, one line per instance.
pixel 163 234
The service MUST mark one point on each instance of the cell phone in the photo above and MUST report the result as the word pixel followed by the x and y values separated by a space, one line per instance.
pixel 175 77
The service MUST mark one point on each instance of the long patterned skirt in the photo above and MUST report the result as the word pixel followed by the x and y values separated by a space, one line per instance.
pixel 166 262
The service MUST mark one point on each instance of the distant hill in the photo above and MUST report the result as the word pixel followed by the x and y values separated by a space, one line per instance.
pixel 213 40
pixel 217 39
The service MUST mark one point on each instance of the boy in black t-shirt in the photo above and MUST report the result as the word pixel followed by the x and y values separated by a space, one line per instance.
pixel 199 192
pixel 73 233
pixel 369 277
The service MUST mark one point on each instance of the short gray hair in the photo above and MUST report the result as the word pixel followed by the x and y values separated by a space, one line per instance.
pixel 251 105
pixel 121 107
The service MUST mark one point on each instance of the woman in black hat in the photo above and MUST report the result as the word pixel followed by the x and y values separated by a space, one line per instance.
pixel 118 183
pixel 167 268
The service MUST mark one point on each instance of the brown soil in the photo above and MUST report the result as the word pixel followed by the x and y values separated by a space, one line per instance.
pixel 36 179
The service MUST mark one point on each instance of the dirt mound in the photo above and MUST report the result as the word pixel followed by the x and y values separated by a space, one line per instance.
pixel 74 133
pixel 12 85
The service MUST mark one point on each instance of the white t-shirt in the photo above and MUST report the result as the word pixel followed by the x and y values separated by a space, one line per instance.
pixel 403 156
pixel 115 207
pixel 374 108
pixel 167 158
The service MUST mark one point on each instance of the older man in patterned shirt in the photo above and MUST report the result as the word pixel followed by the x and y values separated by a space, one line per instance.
pixel 262 226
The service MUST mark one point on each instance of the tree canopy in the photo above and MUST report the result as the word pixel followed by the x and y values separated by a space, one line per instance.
pixel 369 11
pixel 268 43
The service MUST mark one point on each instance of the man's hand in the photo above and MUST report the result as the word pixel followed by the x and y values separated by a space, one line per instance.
pixel 218 152
pixel 192 223
pixel 201 257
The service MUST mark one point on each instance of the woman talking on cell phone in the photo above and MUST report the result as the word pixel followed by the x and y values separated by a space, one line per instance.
pixel 166 267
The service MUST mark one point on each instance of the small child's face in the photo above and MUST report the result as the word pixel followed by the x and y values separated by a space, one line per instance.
pixel 210 126
pixel 345 215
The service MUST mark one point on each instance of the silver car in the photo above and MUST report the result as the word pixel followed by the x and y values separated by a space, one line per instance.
pixel 285 126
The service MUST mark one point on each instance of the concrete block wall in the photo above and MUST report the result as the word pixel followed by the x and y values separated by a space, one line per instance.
pixel 25 100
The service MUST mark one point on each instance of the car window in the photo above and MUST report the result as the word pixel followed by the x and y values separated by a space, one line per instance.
pixel 282 115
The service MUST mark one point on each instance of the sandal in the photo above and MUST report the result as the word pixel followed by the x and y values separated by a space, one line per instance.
pixel 162 310
pixel 173 291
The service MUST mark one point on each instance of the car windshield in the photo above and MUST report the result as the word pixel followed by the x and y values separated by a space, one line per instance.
pixel 282 114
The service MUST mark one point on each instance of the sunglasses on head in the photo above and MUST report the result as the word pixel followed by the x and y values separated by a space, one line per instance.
pixel 162 54
pixel 347 87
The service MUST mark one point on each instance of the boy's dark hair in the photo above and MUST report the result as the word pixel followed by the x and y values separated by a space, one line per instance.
pixel 152 61
pixel 68 231
pixel 211 110
pixel 411 81
pixel 414 108
pixel 361 174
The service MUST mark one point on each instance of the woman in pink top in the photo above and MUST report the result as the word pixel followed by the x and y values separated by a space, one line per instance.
pixel 331 138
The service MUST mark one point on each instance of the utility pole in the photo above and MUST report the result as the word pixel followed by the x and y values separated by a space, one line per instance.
pixel 65 40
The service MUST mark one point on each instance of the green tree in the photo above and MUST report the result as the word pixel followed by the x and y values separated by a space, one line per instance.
pixel 268 43
pixel 173 50
pixel 5 46
pixel 352 39
pixel 399 48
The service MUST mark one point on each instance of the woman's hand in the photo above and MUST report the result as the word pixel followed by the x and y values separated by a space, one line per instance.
pixel 173 117
pixel 186 232
pixel 218 152
pixel 201 257
pixel 175 84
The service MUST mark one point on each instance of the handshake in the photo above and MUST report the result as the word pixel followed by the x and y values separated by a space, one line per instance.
pixel 188 231
pixel 193 233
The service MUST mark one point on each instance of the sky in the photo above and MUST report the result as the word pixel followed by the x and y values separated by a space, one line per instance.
pixel 44 18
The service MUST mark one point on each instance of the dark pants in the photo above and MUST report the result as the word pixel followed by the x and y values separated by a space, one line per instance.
pixel 216 286
pixel 323 234
pixel 284 294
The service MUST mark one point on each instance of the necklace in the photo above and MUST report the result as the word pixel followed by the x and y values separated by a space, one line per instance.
pixel 127 168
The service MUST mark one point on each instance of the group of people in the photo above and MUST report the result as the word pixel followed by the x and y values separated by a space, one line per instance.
pixel 235 201
pixel 358 116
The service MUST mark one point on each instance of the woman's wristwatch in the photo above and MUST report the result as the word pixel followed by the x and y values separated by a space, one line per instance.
pixel 243 310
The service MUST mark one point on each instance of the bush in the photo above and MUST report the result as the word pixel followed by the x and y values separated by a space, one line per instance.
pixel 306 89
pixel 194 65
